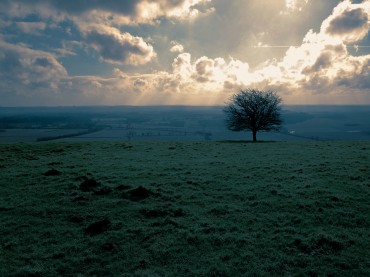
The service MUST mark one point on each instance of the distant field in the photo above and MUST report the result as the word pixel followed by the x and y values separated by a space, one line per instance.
pixel 175 123
pixel 185 209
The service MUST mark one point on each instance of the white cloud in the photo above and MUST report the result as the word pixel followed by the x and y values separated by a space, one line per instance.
pixel 118 73
pixel 294 5
pixel 203 80
pixel 322 64
pixel 176 47
pixel 204 75
pixel 147 11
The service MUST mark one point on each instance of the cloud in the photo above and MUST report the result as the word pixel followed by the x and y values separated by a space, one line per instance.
pixel 176 47
pixel 64 52
pixel 204 75
pixel 101 22
pixel 139 82
pixel 218 74
pixel 34 28
pixel 21 65
pixel 322 63
pixel 119 73
pixel 189 82
pixel 109 12
pixel 147 11
pixel 29 76
pixel 294 5
pixel 319 68
pixel 119 48
pixel 349 22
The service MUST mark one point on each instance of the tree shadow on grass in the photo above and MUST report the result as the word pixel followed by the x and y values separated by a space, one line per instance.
pixel 247 141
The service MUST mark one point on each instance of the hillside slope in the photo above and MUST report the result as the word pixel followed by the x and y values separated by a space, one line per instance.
pixel 185 209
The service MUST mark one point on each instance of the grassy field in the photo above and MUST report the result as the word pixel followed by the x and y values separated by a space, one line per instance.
pixel 185 209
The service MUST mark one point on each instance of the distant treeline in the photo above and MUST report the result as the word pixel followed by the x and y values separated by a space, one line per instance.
pixel 46 121
pixel 70 135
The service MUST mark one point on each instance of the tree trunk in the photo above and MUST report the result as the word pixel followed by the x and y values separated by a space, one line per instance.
pixel 254 135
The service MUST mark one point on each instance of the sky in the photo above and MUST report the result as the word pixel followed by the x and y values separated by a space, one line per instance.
pixel 183 52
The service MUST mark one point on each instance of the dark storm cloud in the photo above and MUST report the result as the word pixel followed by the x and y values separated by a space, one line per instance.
pixel 80 6
pixel 117 12
pixel 115 47
pixel 117 6
pixel 347 22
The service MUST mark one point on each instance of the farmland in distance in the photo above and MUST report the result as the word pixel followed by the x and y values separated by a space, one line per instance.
pixel 169 123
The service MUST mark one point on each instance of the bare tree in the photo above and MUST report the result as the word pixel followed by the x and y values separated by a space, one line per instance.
pixel 254 110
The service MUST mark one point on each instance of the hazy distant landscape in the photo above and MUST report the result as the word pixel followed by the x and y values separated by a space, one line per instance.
pixel 175 123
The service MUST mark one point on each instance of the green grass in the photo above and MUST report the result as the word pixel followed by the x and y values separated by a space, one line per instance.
pixel 211 209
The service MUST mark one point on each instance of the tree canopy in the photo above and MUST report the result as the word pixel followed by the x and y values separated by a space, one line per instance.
pixel 254 110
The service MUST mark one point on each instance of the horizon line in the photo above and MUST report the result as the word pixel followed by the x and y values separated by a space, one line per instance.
pixel 159 105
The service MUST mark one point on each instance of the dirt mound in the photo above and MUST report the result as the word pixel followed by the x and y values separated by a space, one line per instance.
pixel 76 219
pixel 139 193
pixel 321 245
pixel 98 227
pixel 81 199
pixel 122 187
pixel 52 172
pixel 328 245
pixel 89 185
pixel 109 246
pixel 81 178
pixel 103 191
pixel 154 213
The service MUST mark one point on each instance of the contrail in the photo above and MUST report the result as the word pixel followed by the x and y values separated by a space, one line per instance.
pixel 288 46
pixel 358 46
pixel 274 46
